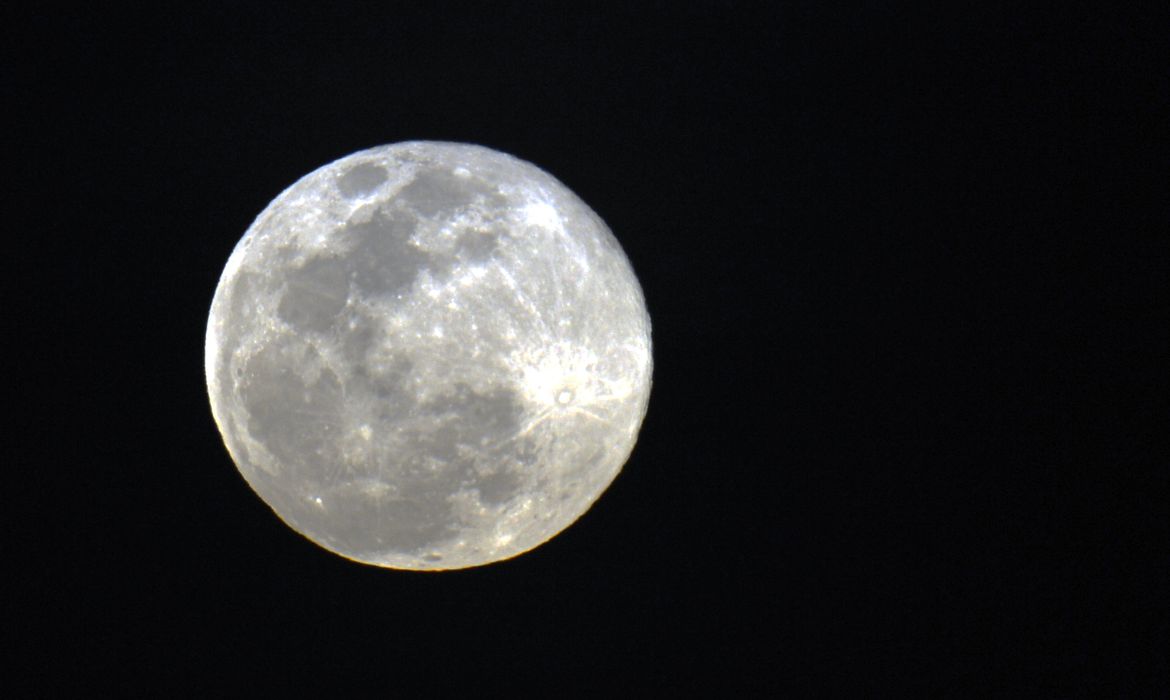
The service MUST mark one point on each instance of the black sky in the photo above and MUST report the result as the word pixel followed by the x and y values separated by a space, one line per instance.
pixel 908 277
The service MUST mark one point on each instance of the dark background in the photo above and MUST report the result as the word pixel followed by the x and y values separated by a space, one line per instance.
pixel 907 274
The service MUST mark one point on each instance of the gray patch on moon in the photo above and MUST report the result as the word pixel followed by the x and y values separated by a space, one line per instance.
pixel 403 524
pixel 383 260
pixel 498 487
pixel 316 293
pixel 435 191
pixel 290 415
pixel 477 245
pixel 361 179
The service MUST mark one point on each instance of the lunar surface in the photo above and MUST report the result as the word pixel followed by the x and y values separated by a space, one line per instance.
pixel 428 356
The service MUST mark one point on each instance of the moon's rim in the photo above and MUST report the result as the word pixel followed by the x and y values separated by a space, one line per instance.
pixel 232 269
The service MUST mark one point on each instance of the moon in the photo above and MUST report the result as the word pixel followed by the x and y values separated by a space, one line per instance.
pixel 428 356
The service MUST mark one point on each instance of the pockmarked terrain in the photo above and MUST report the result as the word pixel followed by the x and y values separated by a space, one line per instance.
pixel 428 356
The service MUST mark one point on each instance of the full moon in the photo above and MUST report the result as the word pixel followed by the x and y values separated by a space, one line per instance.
pixel 428 356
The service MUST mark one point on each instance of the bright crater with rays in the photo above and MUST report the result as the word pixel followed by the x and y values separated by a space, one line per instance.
pixel 428 356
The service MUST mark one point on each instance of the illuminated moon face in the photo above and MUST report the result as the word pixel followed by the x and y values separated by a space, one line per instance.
pixel 428 356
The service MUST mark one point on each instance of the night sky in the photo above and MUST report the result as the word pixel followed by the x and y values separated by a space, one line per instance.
pixel 907 273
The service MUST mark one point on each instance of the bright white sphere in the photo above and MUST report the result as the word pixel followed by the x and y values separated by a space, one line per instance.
pixel 428 356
